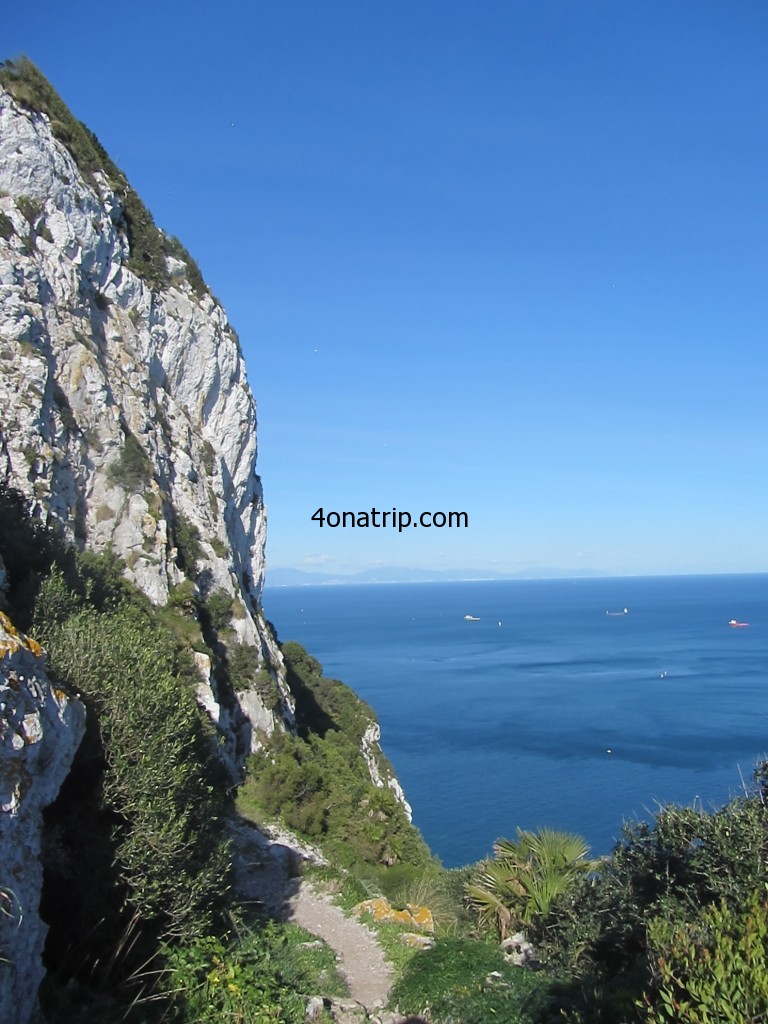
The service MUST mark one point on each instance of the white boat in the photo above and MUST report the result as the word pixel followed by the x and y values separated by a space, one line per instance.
pixel 624 611
pixel 471 618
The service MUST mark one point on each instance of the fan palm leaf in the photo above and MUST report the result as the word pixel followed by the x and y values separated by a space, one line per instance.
pixel 526 876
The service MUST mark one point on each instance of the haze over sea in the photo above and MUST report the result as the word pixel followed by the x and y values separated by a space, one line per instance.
pixel 548 711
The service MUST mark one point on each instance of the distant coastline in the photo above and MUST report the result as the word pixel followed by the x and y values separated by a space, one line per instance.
pixel 279 577
pixel 397 574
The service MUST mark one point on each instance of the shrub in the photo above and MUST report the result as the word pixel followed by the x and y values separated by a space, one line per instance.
pixel 160 778
pixel 186 538
pixel 319 781
pixel 7 230
pixel 262 977
pixel 132 470
pixel 218 607
pixel 525 877
pixel 184 596
pixel 208 456
pixel 220 548
pixel 173 247
pixel 30 209
pixel 321 788
pixel 245 670
pixel 713 971
pixel 660 875
pixel 322 703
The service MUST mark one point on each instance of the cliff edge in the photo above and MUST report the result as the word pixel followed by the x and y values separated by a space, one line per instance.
pixel 125 410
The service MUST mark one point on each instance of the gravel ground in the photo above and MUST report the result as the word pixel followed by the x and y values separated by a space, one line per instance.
pixel 267 874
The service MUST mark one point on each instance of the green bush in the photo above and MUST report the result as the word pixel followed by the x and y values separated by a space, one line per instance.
pixel 210 981
pixel 186 538
pixel 245 670
pixel 261 976
pixel 322 703
pixel 218 608
pixel 684 860
pixel 321 788
pixel 208 456
pixel 184 597
pixel 173 247
pixel 7 230
pixel 714 971
pixel 318 781
pixel 30 209
pixel 132 470
pixel 220 548
pixel 161 781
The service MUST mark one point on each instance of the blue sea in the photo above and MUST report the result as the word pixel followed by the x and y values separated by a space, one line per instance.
pixel 547 711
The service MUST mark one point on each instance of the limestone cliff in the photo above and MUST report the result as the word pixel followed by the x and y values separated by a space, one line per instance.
pixel 125 412
pixel 40 729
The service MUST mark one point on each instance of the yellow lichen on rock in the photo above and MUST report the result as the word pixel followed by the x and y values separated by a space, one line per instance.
pixel 15 640
pixel 381 909
pixel 422 917
pixel 34 646
pixel 9 647
pixel 7 625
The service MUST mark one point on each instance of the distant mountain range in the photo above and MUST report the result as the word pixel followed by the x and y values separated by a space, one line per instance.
pixel 399 574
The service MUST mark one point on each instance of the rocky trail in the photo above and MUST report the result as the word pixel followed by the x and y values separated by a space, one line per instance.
pixel 268 874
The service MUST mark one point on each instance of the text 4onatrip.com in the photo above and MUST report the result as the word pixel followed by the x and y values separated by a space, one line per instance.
pixel 394 519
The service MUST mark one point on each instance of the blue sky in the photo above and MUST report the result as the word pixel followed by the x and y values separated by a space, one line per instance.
pixel 506 258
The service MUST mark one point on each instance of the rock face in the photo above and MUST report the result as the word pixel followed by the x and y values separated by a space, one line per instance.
pixel 127 419
pixel 125 412
pixel 380 776
pixel 40 730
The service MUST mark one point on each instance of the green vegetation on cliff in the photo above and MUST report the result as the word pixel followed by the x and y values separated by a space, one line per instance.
pixel 318 781
pixel 149 246
pixel 143 923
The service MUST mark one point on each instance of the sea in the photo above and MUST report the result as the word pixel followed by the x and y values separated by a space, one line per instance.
pixel 552 706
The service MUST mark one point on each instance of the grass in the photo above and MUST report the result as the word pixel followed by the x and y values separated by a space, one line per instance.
pixel 469 981
pixel 307 962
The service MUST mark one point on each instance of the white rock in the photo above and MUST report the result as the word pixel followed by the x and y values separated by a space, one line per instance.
pixel 89 353
pixel 315 1010
pixel 371 750
pixel 40 730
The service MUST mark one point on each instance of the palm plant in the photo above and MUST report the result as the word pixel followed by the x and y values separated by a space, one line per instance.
pixel 525 876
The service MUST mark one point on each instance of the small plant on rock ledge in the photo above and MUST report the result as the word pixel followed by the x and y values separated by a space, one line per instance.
pixel 187 540
pixel 132 470
pixel 7 230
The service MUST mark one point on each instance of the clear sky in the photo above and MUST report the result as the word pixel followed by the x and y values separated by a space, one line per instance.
pixel 503 257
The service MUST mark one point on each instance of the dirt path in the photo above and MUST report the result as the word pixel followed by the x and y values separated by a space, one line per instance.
pixel 361 960
pixel 266 873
